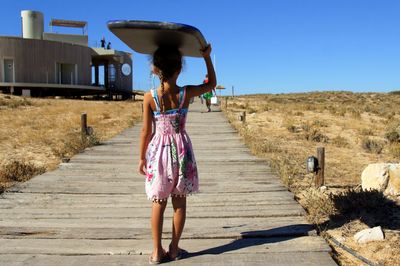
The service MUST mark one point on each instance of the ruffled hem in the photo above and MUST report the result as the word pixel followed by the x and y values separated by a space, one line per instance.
pixel 154 199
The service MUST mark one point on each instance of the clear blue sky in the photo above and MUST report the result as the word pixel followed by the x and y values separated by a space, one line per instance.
pixel 260 46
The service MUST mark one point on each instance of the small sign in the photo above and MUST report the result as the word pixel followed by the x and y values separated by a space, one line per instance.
pixel 126 69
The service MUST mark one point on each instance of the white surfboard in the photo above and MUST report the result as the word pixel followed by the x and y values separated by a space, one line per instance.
pixel 146 36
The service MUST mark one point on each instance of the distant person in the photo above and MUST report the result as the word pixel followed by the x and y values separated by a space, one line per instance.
pixel 166 156
pixel 103 42
pixel 201 96
pixel 108 45
pixel 208 95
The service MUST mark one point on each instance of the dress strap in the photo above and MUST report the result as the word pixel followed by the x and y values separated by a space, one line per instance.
pixel 182 97
pixel 155 97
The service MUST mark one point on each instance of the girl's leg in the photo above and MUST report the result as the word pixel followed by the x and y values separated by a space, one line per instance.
pixel 208 103
pixel 157 218
pixel 178 222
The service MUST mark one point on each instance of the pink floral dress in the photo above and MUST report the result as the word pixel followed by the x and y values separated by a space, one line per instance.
pixel 171 166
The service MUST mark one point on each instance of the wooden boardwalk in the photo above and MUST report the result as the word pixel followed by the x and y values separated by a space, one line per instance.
pixel 93 210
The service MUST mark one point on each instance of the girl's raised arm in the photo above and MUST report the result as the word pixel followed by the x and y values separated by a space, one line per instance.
pixel 198 90
pixel 145 135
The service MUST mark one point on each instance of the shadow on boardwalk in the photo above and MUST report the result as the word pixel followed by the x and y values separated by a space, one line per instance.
pixel 256 238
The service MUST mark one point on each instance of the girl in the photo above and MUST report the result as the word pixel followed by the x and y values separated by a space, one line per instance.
pixel 166 157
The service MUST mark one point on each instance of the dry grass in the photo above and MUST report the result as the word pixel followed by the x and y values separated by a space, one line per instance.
pixel 356 130
pixel 38 133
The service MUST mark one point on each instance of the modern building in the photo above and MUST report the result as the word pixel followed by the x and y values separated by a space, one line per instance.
pixel 45 63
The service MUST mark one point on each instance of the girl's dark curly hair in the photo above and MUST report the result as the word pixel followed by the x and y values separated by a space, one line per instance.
pixel 168 60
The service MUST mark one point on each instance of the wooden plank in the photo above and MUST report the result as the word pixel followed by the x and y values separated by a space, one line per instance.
pixel 138 188
pixel 125 232
pixel 143 246
pixel 122 178
pixel 21 200
pixel 134 212
pixel 293 258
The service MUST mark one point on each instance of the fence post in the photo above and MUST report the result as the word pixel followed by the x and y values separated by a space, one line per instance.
pixel 84 125
pixel 142 110
pixel 242 117
pixel 319 177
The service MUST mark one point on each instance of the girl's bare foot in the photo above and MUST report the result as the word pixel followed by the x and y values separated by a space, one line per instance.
pixel 157 256
pixel 176 253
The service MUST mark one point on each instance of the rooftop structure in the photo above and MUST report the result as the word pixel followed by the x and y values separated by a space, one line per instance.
pixel 69 23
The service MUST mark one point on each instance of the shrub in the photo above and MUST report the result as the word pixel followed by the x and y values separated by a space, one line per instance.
pixel 92 140
pixel 265 108
pixel 315 135
pixel 341 112
pixel 393 133
pixel 106 116
pixel 318 205
pixel 320 123
pixel 355 113
pixel 306 127
pixel 340 141
pixel 251 110
pixel 268 146
pixel 309 107
pixel 298 113
pixel 390 115
pixel 332 109
pixel 20 171
pixel 392 136
pixel 73 143
pixel 292 128
pixel 237 105
pixel 14 102
pixel 367 132
pixel 395 150
pixel 372 146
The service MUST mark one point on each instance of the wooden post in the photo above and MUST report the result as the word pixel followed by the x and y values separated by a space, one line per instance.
pixel 319 177
pixel 242 117
pixel 142 109
pixel 84 125
pixel 226 103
